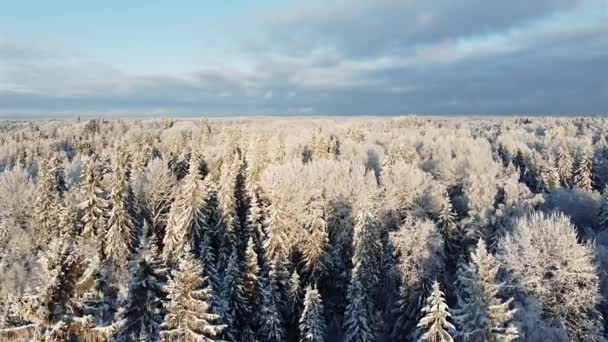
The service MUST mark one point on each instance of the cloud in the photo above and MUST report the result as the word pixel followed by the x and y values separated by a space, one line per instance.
pixel 355 57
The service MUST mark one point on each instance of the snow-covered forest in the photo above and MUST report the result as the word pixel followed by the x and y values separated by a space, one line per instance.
pixel 304 229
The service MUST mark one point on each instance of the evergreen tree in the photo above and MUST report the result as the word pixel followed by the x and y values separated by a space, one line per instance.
pixel 159 198
pixel 357 318
pixel 46 205
pixel 188 216
pixel 120 234
pixel 188 315
pixel 434 325
pixel 564 166
pixel 251 291
pixel 233 299
pixel 367 249
pixel 550 174
pixel 583 175
pixel 312 321
pixel 95 205
pixel 271 327
pixel 58 172
pixel 142 313
pixel 314 249
pixel 481 315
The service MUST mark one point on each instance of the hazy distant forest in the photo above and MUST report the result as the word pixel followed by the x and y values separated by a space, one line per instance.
pixel 304 229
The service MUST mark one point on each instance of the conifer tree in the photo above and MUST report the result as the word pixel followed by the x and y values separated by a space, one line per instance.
pixel 188 215
pixel 159 198
pixel 481 315
pixel 583 175
pixel 564 166
pixel 314 249
pixel 230 232
pixel 120 234
pixel 367 248
pixel 251 291
pixel 312 321
pixel 46 205
pixel 434 325
pixel 58 172
pixel 95 205
pixel 189 317
pixel 357 319
pixel 271 327
pixel 142 313
pixel 549 173
pixel 233 299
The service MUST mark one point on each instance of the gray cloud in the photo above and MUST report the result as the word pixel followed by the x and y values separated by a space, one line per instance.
pixel 393 57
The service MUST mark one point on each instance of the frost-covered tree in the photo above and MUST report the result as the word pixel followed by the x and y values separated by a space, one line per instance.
pixel 314 248
pixel 251 291
pixel 367 248
pixel 564 166
pixel 46 205
pixel 58 172
pixel 142 313
pixel 584 172
pixel 312 322
pixel 271 327
pixel 434 325
pixel 547 262
pixel 603 214
pixel 234 302
pixel 159 197
pixel 358 321
pixel 189 317
pixel 95 205
pixel 120 233
pixel 549 173
pixel 188 216
pixel 481 315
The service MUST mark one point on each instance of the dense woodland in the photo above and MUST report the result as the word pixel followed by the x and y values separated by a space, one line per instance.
pixel 304 229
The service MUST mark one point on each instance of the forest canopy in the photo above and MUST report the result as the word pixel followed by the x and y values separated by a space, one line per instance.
pixel 304 229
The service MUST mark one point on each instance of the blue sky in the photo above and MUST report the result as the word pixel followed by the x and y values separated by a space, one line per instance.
pixel 338 57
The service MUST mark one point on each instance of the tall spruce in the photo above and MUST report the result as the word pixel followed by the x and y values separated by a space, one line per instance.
pixel 434 325
pixel 584 172
pixel 481 315
pixel 312 322
pixel 189 317
pixel 358 320
pixel 94 207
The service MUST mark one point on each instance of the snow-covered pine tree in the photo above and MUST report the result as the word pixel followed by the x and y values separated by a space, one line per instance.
pixel 142 313
pixel 188 215
pixel 603 214
pixel 564 166
pixel 295 303
pixel 357 319
pixel 119 236
pixel 549 173
pixel 312 322
pixel 367 248
pixel 159 198
pixel 434 325
pixel 315 246
pixel 257 219
pixel 481 315
pixel 46 205
pixel 251 292
pixel 584 172
pixel 58 172
pixel 271 328
pixel 189 317
pixel 233 306
pixel 230 232
pixel 95 205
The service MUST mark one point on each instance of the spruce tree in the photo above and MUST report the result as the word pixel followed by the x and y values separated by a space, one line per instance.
pixel 481 315
pixel 434 325
pixel 251 291
pixel 357 319
pixel 120 233
pixel 312 322
pixel 233 299
pixel 583 175
pixel 271 327
pixel 143 312
pixel 189 317
pixel 188 215
pixel 58 172
pixel 159 198
pixel 314 249
pixel 95 205
pixel 46 205
pixel 564 166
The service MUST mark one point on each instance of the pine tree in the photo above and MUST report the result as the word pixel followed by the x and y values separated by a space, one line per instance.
pixel 188 315
pixel 583 175
pixel 58 172
pixel 230 234
pixel 46 205
pixel 143 312
pixel 312 321
pixel 95 205
pixel 481 315
pixel 357 319
pixel 159 198
pixel 119 236
pixel 549 173
pixel 564 166
pixel 434 325
pixel 314 249
pixel 367 249
pixel 233 299
pixel 271 327
pixel 188 216
pixel 251 291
